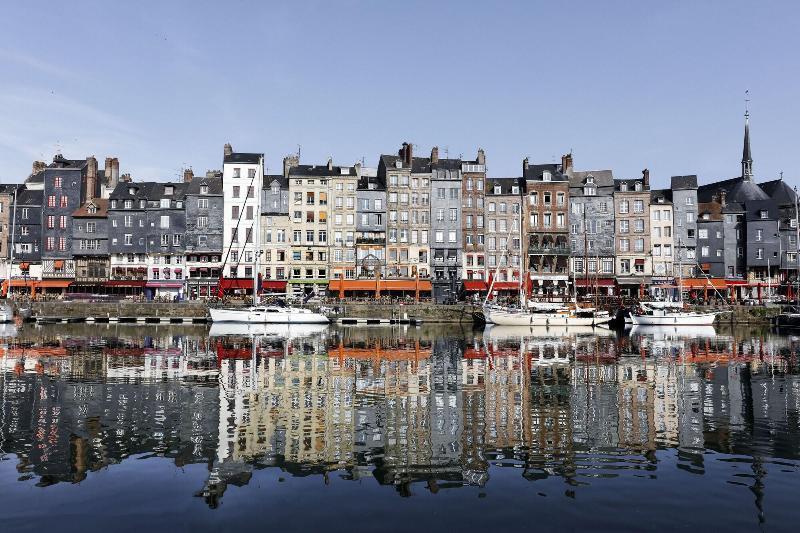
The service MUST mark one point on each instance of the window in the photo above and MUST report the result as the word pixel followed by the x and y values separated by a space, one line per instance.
pixel 667 250
pixel 202 203
pixel 759 234
pixel 639 225
pixel 623 207
pixel 656 250
pixel 451 236
pixel 57 182
pixel 704 251
pixel 51 221
pixel 176 239
pixel 164 204
pixel 202 222
pixel 164 239
pixel 624 226
pixel 64 201
pixel 638 245
pixel 689 200
pixel 164 224
pixel 764 214
pixel 759 253
pixel 439 236
pixel 51 200
pixel 624 245
pixel 638 206
pixel 234 212
pixel 656 215
pixel 702 234
pixel 128 239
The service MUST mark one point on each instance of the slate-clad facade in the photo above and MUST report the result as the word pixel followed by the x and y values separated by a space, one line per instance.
pixel 203 238
pixel 446 229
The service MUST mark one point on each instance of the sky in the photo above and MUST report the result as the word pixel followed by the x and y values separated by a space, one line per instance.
pixel 623 85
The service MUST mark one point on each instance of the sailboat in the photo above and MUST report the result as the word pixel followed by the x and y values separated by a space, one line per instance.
pixel 672 315
pixel 539 314
pixel 264 314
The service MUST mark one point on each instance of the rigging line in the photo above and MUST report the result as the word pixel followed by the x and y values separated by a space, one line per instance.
pixel 239 220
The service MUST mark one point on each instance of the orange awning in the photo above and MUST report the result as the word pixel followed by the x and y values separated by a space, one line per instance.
pixel 24 266
pixel 23 283
pixel 352 284
pixel 54 283
pixel 58 263
pixel 702 283
pixel 405 285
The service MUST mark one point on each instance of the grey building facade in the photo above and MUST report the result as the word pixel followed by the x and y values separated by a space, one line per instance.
pixel 446 229
pixel 203 238
pixel 370 226
pixel 90 244
pixel 684 206
pixel 591 219
pixel 710 239
pixel 26 223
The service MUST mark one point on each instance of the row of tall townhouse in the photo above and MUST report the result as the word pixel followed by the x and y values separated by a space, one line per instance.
pixel 412 226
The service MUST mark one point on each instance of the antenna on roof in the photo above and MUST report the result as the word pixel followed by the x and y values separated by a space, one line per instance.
pixel 447 152
pixel 781 175
pixel 298 152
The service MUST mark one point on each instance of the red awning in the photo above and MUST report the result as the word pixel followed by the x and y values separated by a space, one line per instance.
pixel 736 282
pixel 475 285
pixel 505 286
pixel 125 283
pixel 233 283
pixel 58 263
pixel 54 283
pixel 638 261
pixel 273 284
pixel 165 284
pixel 600 282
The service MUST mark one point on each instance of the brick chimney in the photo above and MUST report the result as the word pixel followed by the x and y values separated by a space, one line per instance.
pixel 646 178
pixel 289 162
pixel 566 163
pixel 37 167
pixel 405 154
pixel 126 178
pixel 481 157
pixel 227 149
pixel 188 175
pixel 109 166
pixel 91 178
pixel 525 165
pixel 434 155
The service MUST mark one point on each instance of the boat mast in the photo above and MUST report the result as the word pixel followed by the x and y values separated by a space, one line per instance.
pixel 257 230
pixel 521 289
pixel 13 235
pixel 797 241
pixel 680 271
pixel 585 254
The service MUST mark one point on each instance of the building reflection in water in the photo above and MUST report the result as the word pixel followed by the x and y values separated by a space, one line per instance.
pixel 411 409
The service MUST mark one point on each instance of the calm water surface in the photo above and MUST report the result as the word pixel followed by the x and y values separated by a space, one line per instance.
pixel 186 428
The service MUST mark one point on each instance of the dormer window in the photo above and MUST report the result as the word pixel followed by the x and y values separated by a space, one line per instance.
pixel 113 204
pixel 91 210
pixel 589 190
pixel 204 189
pixel 660 199
pixel 142 204
pixel 623 187
pixel 637 186
pixel 128 204
pixel 498 189
pixel 764 214
pixel 164 204
pixel 276 188
pixel 706 216
pixel 515 189
pixel 398 164
pixel 131 190
pixel 168 190
pixel 546 176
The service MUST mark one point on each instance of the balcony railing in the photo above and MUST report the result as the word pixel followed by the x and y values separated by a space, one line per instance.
pixel 549 250
pixel 370 240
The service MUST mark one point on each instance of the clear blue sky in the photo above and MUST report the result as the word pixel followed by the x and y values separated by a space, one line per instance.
pixel 625 85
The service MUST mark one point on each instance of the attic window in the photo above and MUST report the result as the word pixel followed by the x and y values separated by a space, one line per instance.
pixel 91 210
pixel 497 189
pixel 764 214
pixel 372 186
pixel 345 170
pixel 589 190
pixel 398 164
pixel 660 199
pixel 623 187
pixel 204 189
pixel 276 188
pixel 589 180
pixel 131 190
pixel 515 189
pixel 546 176
pixel 168 190
pixel 706 216
pixel 637 186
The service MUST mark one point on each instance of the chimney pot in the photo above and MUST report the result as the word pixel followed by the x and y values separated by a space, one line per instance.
pixel 227 149
pixel 722 199
pixel 646 178
pixel 91 178
pixel 525 164
pixel 188 175
pixel 288 162
pixel 330 164
pixel 435 154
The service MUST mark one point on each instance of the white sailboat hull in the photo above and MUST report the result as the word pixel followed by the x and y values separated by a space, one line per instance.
pixel 674 319
pixel 511 318
pixel 268 315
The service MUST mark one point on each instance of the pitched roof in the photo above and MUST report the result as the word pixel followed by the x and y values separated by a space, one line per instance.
pixel 779 191
pixel 30 197
pixel 506 186
pixel 535 172
pixel 712 209
pixel 243 157
pixel 371 183
pixel 666 194
pixel 754 208
pixel 100 204
pixel 214 185
pixel 746 191
pixel 322 171
pixel 602 178
pixel 419 165
pixel 678 183
pixel 59 161
pixel 630 185
pixel 269 178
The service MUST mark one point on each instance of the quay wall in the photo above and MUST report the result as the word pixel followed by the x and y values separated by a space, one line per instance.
pixel 427 312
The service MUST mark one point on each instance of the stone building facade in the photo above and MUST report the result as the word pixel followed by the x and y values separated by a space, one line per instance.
pixel 661 240
pixel 473 191
pixel 633 247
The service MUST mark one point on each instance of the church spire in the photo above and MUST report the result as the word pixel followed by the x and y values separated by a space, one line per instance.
pixel 747 158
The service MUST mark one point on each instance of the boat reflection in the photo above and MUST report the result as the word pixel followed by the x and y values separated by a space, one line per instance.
pixel 223 329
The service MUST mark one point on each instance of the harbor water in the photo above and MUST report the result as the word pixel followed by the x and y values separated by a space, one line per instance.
pixel 235 428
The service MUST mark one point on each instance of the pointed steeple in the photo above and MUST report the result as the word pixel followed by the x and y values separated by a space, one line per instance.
pixel 747 158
